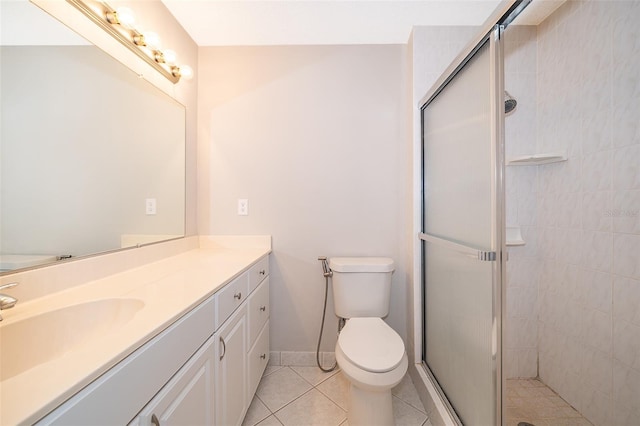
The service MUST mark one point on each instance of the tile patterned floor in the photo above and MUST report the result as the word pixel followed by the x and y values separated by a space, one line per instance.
pixel 301 396
pixel 529 400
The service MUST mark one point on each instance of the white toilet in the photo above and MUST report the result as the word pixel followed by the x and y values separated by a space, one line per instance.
pixel 369 352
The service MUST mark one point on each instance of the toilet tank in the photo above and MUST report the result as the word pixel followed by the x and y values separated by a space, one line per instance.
pixel 361 286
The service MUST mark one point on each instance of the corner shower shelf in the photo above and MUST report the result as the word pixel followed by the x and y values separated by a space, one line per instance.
pixel 514 236
pixel 537 159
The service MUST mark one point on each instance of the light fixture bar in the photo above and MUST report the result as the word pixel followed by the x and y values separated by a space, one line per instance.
pixel 98 11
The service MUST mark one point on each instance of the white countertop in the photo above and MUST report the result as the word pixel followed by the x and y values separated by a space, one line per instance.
pixel 168 288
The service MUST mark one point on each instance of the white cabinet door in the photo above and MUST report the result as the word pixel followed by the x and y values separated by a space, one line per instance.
pixel 187 399
pixel 231 370
pixel 118 395
pixel 258 358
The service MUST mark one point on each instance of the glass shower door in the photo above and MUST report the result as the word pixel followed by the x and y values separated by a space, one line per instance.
pixel 462 235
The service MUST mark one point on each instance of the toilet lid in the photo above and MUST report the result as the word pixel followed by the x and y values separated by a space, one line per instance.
pixel 371 344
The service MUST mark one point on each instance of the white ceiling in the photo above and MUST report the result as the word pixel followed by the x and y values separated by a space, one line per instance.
pixel 271 22
pixel 278 22
pixel 282 22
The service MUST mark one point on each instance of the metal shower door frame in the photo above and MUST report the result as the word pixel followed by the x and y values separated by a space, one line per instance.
pixel 493 34
pixel 497 249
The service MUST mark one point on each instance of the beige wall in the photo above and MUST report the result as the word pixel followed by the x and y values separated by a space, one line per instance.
pixel 314 137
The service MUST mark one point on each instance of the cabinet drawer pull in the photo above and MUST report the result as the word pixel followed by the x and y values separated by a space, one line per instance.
pixel 263 356
pixel 263 308
pixel 154 420
pixel 224 348
pixel 238 295
pixel 262 272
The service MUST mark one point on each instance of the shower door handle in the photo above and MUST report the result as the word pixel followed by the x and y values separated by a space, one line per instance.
pixel 482 255
pixel 487 256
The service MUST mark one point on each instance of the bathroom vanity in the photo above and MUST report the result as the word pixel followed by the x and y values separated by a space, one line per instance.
pixel 185 341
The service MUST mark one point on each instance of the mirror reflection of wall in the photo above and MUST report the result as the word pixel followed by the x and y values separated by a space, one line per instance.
pixel 84 145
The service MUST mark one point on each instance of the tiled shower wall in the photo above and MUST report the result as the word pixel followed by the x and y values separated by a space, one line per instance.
pixel 523 265
pixel 588 95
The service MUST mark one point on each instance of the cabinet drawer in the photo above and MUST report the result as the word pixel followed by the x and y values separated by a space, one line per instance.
pixel 258 272
pixel 258 310
pixel 258 359
pixel 231 297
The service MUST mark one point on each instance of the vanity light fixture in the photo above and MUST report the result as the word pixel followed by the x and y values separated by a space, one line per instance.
pixel 122 16
pixel 186 72
pixel 170 57
pixel 120 23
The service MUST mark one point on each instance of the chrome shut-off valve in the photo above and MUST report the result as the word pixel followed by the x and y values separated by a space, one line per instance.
pixel 327 272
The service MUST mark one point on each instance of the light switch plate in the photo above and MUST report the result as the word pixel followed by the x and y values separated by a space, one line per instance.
pixel 243 207
pixel 150 206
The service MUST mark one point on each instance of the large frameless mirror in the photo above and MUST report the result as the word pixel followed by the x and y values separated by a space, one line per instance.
pixel 92 157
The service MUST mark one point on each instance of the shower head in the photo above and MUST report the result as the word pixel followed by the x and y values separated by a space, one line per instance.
pixel 509 103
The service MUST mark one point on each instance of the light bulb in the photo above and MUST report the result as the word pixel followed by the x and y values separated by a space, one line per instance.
pixel 186 72
pixel 126 18
pixel 170 56
pixel 152 40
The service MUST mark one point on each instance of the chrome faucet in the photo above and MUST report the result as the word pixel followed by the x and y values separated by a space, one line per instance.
pixel 6 301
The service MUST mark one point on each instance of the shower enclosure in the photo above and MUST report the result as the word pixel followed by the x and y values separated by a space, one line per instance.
pixel 565 315
pixel 463 243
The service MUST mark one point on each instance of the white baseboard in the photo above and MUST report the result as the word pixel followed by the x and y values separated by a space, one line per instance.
pixel 301 359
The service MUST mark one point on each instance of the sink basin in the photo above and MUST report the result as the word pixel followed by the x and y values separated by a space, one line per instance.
pixel 47 336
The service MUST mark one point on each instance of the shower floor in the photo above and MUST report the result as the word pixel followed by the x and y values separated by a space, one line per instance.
pixel 531 401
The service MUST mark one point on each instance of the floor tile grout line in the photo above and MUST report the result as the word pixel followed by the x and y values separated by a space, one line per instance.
pixel 265 406
pixel 423 410
pixel 280 367
pixel 409 404
pixel 295 399
pixel 333 373
pixel 292 401
pixel 328 397
pixel 331 399
pixel 308 390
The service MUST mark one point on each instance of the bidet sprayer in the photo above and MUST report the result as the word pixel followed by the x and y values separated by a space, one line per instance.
pixel 326 271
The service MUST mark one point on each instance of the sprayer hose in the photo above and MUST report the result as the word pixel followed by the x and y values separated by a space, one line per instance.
pixel 324 311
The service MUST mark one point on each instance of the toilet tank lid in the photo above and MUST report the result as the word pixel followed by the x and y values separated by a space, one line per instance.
pixel 361 264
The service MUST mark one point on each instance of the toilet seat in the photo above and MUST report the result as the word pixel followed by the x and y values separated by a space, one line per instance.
pixel 370 344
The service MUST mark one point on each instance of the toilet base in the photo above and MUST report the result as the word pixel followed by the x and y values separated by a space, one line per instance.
pixel 370 401
pixel 370 408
